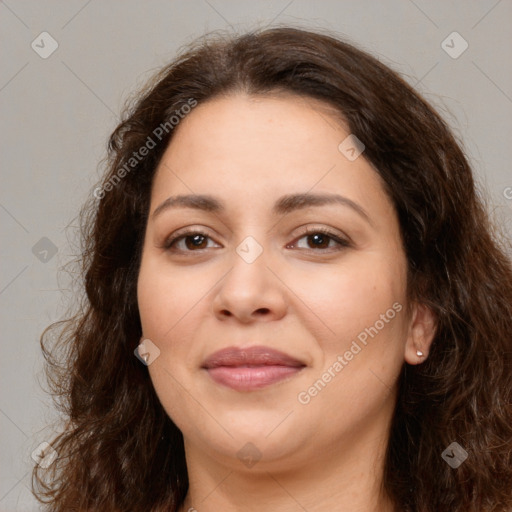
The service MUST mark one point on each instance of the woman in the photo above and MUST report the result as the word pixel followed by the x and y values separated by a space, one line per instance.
pixel 290 241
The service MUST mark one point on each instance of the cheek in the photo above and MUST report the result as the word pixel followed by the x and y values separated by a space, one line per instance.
pixel 365 311
pixel 352 296
pixel 163 306
pixel 174 306
pixel 168 299
pixel 168 306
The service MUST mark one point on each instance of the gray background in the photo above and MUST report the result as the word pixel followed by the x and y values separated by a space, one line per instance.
pixel 57 113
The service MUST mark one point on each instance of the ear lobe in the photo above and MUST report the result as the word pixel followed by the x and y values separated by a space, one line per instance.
pixel 422 328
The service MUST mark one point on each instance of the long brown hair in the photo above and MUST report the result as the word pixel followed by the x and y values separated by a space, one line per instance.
pixel 121 452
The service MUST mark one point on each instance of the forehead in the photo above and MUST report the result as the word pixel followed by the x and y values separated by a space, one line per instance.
pixel 250 149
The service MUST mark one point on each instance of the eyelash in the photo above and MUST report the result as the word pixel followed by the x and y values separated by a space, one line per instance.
pixel 342 243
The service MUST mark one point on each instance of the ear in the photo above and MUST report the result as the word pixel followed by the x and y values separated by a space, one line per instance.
pixel 422 328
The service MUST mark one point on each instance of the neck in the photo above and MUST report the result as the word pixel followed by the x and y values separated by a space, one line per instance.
pixel 347 478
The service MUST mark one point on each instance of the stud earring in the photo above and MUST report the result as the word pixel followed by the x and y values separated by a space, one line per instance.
pixel 419 353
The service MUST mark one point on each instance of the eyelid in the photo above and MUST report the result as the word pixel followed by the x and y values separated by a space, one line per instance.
pixel 183 233
pixel 341 239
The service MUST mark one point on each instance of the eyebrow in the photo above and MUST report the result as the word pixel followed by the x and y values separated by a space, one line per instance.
pixel 285 204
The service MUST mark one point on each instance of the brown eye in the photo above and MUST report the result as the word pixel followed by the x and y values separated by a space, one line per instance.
pixel 320 240
pixel 195 241
pixel 190 242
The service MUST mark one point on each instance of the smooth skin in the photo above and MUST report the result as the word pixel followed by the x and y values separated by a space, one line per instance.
pixel 307 295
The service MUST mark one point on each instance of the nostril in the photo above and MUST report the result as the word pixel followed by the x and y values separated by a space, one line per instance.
pixel 262 311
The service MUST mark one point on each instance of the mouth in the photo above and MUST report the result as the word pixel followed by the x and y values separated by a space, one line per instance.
pixel 251 368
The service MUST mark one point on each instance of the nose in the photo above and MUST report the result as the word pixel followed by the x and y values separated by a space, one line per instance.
pixel 250 292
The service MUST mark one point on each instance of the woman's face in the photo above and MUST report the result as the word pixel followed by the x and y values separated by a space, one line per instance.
pixel 273 282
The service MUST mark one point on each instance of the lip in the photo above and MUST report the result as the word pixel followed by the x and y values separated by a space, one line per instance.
pixel 252 368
